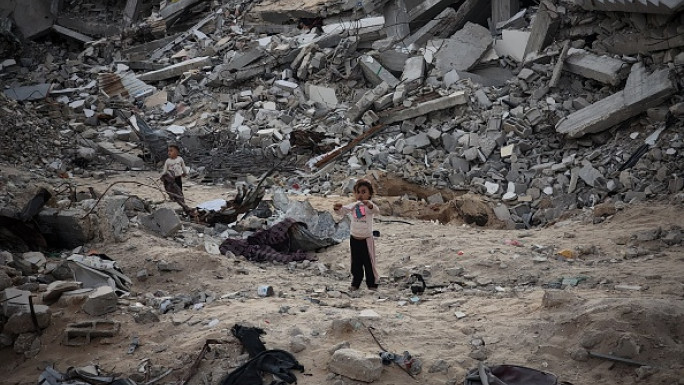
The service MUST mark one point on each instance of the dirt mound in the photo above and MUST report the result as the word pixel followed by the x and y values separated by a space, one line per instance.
pixel 404 199
pixel 646 331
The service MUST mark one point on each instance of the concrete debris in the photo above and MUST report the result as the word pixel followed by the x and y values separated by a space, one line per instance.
pixel 424 91
pixel 602 68
pixel 464 49
pixel 35 92
pixel 642 91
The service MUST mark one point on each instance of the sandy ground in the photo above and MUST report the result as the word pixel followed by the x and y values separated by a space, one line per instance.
pixel 629 301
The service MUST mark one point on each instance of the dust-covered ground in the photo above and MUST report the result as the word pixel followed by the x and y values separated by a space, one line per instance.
pixel 498 295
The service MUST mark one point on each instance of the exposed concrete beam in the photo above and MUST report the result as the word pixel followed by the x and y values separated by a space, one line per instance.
pixel 641 92
pixel 605 69
pixel 458 97
pixel 175 70
pixel 72 34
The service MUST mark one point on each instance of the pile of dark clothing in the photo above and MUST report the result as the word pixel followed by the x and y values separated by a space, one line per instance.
pixel 286 241
pixel 280 363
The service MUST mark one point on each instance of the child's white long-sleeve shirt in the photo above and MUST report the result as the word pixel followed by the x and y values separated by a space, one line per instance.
pixel 176 166
pixel 361 225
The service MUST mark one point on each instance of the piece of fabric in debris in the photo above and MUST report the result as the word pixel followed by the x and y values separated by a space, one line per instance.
pixel 250 338
pixel 277 362
pixel 272 244
pixel 511 375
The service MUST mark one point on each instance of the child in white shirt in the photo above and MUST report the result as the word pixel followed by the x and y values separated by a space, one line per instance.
pixel 175 166
pixel 361 240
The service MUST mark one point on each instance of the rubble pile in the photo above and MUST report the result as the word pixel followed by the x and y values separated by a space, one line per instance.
pixel 557 106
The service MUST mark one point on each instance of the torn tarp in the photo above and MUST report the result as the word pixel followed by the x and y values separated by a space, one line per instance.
pixel 286 241
pixel 99 270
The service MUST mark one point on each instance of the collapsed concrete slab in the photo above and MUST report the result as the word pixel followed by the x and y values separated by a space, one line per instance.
pixel 664 7
pixel 458 97
pixel 641 92
pixel 34 92
pixel 32 17
pixel 605 69
pixel 463 50
pixel 127 159
pixel 441 26
pixel 544 28
pixel 512 44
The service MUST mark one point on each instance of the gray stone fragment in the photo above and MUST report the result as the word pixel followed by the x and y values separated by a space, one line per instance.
pixel 418 141
pixel 463 49
pixel 55 290
pixel 101 301
pixel 589 175
pixel 376 73
pixel 435 198
pixel 163 221
pixel 22 322
pixel 502 213
pixel 483 99
pixel 356 365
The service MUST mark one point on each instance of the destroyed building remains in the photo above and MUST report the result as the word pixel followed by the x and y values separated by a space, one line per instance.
pixel 539 107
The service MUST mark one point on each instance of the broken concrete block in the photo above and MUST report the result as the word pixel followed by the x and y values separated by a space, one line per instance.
pixel 376 73
pixel 22 322
pixel 101 301
pixel 163 221
pixel 55 290
pixel 590 175
pixel 370 118
pixel 414 72
pixel 356 365
pixel 30 263
pixel 640 93
pixel 544 28
pixel 443 25
pixel 286 85
pixel 243 58
pixel 364 103
pixel 512 43
pixel 458 97
pixel 605 69
pixel 14 301
pixel 483 99
pixel 393 60
pixel 396 20
pixel 463 50
pixel 418 141
pixel 324 95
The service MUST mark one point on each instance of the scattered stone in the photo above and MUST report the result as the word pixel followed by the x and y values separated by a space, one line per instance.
pixel 356 365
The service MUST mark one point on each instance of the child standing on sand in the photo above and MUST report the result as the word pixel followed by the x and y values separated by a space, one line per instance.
pixel 175 165
pixel 361 240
